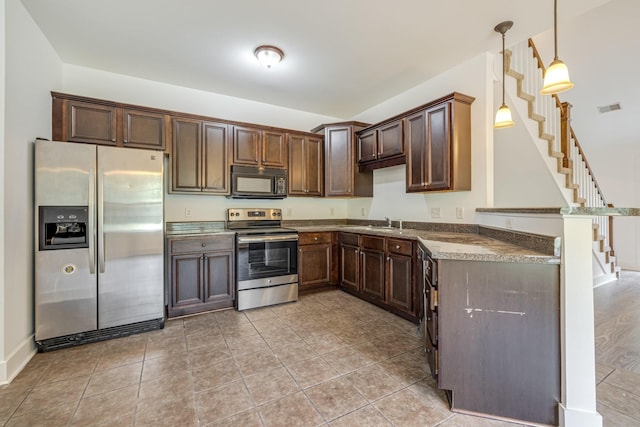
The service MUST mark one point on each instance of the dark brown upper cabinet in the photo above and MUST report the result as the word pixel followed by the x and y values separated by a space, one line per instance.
pixel 200 157
pixel 259 147
pixel 306 173
pixel 94 121
pixel 438 139
pixel 342 178
pixel 382 145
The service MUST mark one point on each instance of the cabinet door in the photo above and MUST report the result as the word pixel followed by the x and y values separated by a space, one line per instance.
pixel 400 282
pixel 439 144
pixel 246 146
pixel 186 155
pixel 373 273
pixel 142 129
pixel 390 140
pixel 274 150
pixel 367 146
pixel 297 166
pixel 339 162
pixel 417 160
pixel 186 280
pixel 314 170
pixel 350 267
pixel 314 265
pixel 219 283
pixel 215 158
pixel 92 123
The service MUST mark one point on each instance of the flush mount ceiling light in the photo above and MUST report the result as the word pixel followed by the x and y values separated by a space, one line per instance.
pixel 503 116
pixel 268 55
pixel 556 78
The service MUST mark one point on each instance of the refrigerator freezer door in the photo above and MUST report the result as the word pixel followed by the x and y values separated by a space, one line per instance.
pixel 130 236
pixel 65 290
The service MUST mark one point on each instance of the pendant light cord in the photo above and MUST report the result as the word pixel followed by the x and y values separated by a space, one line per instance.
pixel 555 29
pixel 503 66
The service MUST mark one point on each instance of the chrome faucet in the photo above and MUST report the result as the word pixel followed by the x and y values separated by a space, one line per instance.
pixel 388 221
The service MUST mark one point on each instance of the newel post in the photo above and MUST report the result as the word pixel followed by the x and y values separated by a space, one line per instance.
pixel 565 134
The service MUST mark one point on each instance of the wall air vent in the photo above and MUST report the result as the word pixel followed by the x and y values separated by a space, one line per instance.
pixel 607 108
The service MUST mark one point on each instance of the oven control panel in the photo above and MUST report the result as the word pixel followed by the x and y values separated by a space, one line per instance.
pixel 249 214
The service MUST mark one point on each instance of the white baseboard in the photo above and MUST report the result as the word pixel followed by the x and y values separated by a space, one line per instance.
pixel 578 418
pixel 17 360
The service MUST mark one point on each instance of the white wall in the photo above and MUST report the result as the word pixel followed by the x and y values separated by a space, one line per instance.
pixel 472 78
pixel 617 168
pixel 32 69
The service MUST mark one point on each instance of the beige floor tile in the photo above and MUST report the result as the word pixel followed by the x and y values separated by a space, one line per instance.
pixel 177 413
pixel 625 380
pixel 244 419
pixel 427 391
pixel 373 382
pixel 461 420
pixel 326 343
pixel 53 394
pixel 335 398
pixel 51 417
pixel 215 404
pixel 295 352
pixel 63 369
pixel 347 359
pixel 120 356
pixel 408 368
pixel 405 409
pixel 10 400
pixel 164 390
pixel 242 345
pixel 291 411
pixel 214 374
pixel 259 313
pixel 205 339
pixel 602 371
pixel 268 324
pixel 368 416
pixel 240 330
pixel 175 345
pixel 112 379
pixel 258 362
pixel 103 408
pixel 164 366
pixel 230 318
pixel 271 385
pixel 205 355
pixel 281 336
pixel 312 371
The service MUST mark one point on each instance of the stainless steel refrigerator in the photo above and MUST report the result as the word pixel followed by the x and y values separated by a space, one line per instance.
pixel 99 264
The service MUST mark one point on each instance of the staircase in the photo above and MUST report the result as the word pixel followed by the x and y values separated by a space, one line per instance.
pixel 572 171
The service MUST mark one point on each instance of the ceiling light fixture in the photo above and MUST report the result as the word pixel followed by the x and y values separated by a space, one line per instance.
pixel 268 55
pixel 556 77
pixel 503 116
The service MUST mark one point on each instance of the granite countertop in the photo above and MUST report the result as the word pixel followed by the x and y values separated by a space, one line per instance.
pixel 449 245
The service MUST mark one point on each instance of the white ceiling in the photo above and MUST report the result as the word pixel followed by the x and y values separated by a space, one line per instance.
pixel 341 56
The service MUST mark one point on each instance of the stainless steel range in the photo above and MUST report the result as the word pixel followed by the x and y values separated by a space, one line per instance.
pixel 266 258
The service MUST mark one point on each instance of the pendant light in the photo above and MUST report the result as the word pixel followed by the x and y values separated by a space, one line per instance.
pixel 503 116
pixel 556 77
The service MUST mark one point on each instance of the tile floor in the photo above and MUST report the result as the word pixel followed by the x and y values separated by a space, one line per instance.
pixel 329 359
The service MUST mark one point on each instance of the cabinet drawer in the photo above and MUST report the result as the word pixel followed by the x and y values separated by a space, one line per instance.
pixel 400 247
pixel 201 244
pixel 372 242
pixel 349 239
pixel 311 238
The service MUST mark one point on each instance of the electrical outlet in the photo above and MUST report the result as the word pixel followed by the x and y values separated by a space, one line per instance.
pixel 460 213
pixel 508 224
pixel 289 211
pixel 362 213
pixel 187 212
pixel 331 212
pixel 435 212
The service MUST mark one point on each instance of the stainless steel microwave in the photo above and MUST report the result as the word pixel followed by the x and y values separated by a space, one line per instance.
pixel 249 182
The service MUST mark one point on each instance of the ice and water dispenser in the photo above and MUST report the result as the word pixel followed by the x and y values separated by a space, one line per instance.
pixel 63 227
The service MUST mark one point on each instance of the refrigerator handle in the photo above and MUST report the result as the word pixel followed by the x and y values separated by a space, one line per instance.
pixel 101 220
pixel 92 220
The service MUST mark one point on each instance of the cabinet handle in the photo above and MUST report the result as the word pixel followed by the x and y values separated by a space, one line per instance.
pixel 388 258
pixel 125 141
pixel 300 250
pixel 113 140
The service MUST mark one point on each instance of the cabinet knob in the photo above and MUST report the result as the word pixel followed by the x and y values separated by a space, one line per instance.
pixel 113 140
pixel 356 251
pixel 204 245
pixel 125 141
pixel 397 246
pixel 315 238
pixel 388 258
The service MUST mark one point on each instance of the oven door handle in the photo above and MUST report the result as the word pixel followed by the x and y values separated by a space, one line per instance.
pixel 267 239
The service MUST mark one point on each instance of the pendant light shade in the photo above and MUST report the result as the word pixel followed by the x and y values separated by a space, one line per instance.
pixel 556 77
pixel 503 116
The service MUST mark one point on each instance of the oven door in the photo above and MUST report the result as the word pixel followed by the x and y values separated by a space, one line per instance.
pixel 267 259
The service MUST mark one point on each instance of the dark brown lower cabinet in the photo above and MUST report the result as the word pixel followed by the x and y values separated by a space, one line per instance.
pixel 317 266
pixel 201 274
pixel 497 337
pixel 382 271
